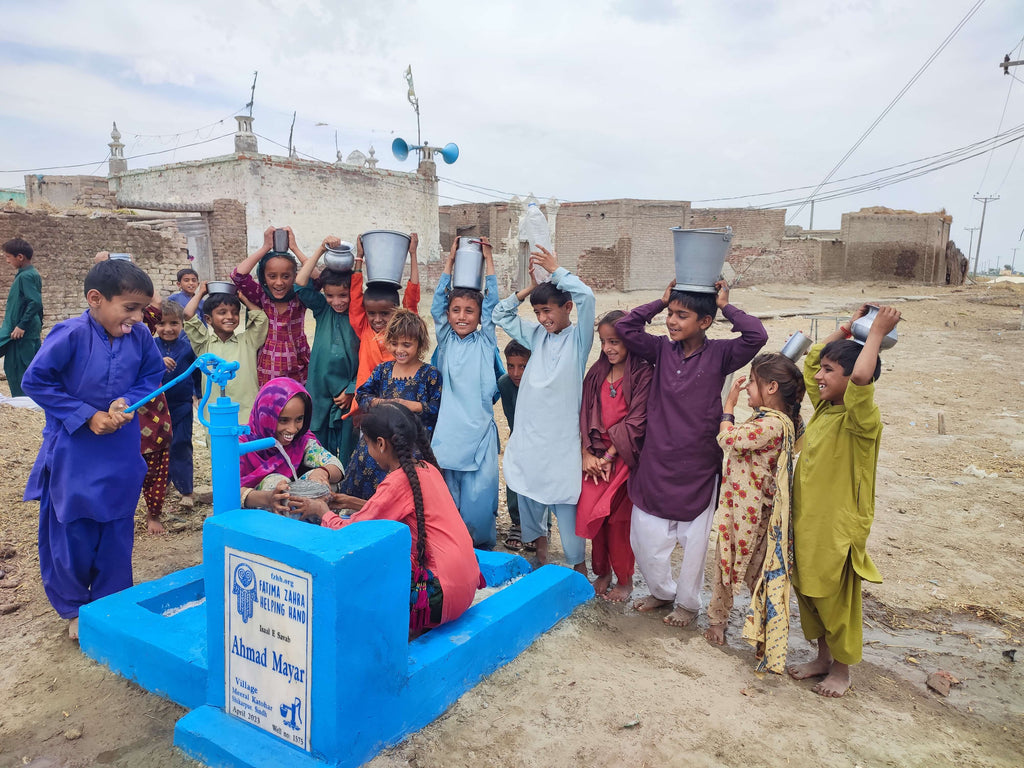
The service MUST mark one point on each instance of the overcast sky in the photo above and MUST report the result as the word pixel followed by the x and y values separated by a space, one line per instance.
pixel 576 99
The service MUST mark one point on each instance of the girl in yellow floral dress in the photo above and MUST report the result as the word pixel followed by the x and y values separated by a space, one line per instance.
pixel 758 461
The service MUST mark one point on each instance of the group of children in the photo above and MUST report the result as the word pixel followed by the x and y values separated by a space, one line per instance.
pixel 628 454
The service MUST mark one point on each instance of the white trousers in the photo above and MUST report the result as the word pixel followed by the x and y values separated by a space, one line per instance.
pixel 653 540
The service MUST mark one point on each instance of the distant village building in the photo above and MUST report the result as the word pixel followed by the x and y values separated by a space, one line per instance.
pixel 626 245
pixel 211 213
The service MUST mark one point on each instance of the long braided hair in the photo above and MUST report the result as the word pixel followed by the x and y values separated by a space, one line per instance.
pixel 398 426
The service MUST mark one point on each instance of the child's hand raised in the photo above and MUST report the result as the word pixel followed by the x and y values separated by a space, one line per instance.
pixel 268 239
pixel 544 259
pixel 885 320
pixel 414 242
pixel 668 293
pixel 734 392
pixel 722 298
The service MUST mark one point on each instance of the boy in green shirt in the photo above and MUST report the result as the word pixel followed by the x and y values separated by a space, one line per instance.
pixel 834 499
pixel 23 314
pixel 334 356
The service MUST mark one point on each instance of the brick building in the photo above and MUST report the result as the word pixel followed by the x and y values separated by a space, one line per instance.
pixel 627 245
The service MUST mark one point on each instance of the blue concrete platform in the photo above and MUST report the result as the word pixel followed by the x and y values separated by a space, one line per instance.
pixel 370 687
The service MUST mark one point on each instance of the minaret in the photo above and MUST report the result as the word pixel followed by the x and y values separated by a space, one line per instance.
pixel 245 139
pixel 118 164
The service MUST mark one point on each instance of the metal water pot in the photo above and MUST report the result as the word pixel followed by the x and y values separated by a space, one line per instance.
pixel 862 325
pixel 468 269
pixel 384 253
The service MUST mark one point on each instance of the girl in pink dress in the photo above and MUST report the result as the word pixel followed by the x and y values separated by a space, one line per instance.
pixel 444 570
pixel 613 419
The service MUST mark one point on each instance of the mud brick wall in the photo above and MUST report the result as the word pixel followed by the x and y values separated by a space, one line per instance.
pixel 228 236
pixel 909 247
pixel 64 246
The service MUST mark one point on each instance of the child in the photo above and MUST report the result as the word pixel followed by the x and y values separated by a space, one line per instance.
pixel 286 350
pixel 516 358
pixel 542 458
pixel 674 487
pixel 445 574
pixel 23 314
pixel 752 523
pixel 370 310
pixel 89 471
pixel 282 410
pixel 187 282
pixel 334 359
pixel 466 439
pixel 612 424
pixel 405 380
pixel 222 337
pixel 178 355
pixel 834 499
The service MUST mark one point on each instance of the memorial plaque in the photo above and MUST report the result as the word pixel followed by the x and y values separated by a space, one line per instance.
pixel 268 645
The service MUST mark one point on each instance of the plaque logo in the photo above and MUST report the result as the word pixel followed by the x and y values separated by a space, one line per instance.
pixel 244 590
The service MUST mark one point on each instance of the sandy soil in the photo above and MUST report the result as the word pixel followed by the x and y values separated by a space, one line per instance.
pixel 612 687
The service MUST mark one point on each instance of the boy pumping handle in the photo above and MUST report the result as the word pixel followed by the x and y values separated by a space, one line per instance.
pixel 834 498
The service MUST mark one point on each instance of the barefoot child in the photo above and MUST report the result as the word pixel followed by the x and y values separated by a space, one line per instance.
pixel 282 410
pixel 834 499
pixel 542 458
pixel 445 574
pixel 177 352
pixel 675 485
pixel 286 350
pixel 222 336
pixel 23 314
pixel 406 380
pixel 516 358
pixel 334 359
pixel 466 439
pixel 613 420
pixel 754 512
pixel 89 471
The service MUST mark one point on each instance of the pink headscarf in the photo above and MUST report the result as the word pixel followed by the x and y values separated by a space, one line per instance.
pixel 269 403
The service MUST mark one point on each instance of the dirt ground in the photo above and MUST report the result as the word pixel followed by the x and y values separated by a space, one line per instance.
pixel 611 687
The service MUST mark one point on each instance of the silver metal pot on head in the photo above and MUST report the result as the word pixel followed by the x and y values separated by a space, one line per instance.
pixel 340 258
pixel 385 252
pixel 221 286
pixel 862 325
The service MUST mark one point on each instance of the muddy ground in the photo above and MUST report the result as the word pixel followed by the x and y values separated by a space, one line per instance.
pixel 611 687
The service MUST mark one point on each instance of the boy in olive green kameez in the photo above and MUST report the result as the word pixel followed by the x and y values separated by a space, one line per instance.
pixel 834 499
pixel 23 314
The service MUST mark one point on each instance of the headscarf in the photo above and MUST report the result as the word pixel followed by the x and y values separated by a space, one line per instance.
pixel 263 418
pixel 261 265
pixel 627 436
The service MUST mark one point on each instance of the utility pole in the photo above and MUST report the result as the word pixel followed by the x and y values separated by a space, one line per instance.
pixel 970 246
pixel 1013 261
pixel 812 214
pixel 981 228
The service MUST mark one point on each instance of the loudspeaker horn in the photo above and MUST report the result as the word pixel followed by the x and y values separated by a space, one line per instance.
pixel 400 148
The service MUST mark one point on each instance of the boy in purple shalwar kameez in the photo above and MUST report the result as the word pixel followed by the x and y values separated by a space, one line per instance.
pixel 89 471
pixel 674 488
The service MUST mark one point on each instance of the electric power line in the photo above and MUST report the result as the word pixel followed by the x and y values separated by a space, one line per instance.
pixel 903 90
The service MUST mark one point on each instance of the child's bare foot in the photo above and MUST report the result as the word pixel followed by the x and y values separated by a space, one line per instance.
pixel 836 683
pixel 188 500
pixel 601 584
pixel 620 592
pixel 715 634
pixel 680 617
pixel 650 603
pixel 581 568
pixel 542 550
pixel 154 526
pixel 73 628
pixel 820 666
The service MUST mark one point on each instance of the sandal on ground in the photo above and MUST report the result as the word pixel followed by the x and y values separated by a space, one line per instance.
pixel 530 546
pixel 514 539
